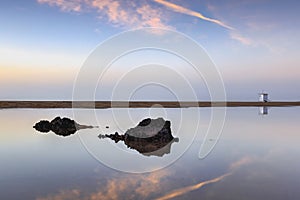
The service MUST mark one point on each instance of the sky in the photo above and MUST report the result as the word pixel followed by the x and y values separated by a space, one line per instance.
pixel 254 43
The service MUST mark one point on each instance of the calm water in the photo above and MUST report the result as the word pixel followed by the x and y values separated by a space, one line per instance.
pixel 256 157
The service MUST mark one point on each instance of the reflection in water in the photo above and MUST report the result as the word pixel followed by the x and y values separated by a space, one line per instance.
pixel 149 137
pixel 187 189
pixel 60 126
pixel 233 167
pixel 263 110
pixel 123 186
pixel 263 161
pixel 148 186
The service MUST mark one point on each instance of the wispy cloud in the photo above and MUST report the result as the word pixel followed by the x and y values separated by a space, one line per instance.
pixel 233 32
pixel 133 14
pixel 64 5
pixel 181 9
pixel 119 13
pixel 240 38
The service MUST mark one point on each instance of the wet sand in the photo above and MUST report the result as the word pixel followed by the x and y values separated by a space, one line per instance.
pixel 139 104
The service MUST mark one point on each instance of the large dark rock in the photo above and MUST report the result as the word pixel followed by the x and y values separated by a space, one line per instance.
pixel 63 126
pixel 149 137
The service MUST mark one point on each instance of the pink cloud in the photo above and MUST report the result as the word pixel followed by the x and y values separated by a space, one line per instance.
pixel 183 10
pixel 117 12
pixel 131 15
pixel 65 5
pixel 150 17
pixel 240 38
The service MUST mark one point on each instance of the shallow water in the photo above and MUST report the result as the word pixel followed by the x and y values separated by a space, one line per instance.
pixel 256 157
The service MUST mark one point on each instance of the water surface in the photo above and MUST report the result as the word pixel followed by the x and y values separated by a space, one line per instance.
pixel 256 157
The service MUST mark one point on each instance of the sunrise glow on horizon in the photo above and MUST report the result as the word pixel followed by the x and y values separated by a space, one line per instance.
pixel 254 44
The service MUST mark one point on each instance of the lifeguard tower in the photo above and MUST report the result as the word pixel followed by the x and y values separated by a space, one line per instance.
pixel 263 97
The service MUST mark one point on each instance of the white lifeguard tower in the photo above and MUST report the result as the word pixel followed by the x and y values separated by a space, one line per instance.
pixel 263 97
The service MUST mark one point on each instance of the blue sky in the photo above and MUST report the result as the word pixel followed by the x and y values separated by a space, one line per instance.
pixel 254 43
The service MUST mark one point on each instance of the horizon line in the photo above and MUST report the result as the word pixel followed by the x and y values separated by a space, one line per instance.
pixel 141 104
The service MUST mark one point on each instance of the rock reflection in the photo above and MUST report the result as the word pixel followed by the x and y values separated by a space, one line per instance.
pixel 60 126
pixel 149 137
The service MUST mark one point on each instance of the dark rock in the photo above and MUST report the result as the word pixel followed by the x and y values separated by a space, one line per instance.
pixel 63 127
pixel 60 126
pixel 149 137
pixel 43 126
pixel 116 137
pixel 145 122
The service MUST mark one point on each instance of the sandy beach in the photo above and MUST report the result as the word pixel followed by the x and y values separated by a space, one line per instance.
pixel 139 104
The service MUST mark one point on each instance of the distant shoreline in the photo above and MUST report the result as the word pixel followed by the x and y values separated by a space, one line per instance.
pixel 140 104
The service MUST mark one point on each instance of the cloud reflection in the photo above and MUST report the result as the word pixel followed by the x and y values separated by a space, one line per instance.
pixel 234 166
pixel 132 186
pixel 74 194
pixel 187 189
pixel 142 186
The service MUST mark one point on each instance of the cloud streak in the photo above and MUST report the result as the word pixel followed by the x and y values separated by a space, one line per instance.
pixel 183 10
pixel 238 37
pixel 234 35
